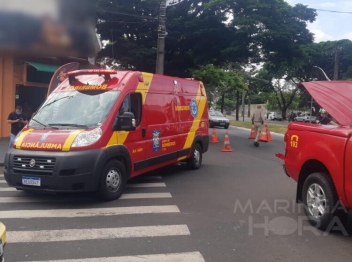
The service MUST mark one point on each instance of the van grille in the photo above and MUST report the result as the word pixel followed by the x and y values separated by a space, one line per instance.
pixel 34 165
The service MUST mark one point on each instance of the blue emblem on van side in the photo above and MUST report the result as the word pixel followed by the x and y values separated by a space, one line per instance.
pixel 44 137
pixel 156 140
pixel 194 108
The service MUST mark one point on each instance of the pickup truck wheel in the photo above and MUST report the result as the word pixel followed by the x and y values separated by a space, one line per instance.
pixel 195 160
pixel 112 180
pixel 319 200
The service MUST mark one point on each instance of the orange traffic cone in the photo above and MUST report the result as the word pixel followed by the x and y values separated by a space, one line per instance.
pixel 252 135
pixel 264 135
pixel 214 138
pixel 270 138
pixel 226 147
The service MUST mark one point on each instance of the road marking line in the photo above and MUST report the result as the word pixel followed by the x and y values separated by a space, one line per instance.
pixel 3 182
pixel 145 195
pixel 89 212
pixel 7 189
pixel 46 236
pixel 173 257
pixel 152 177
pixel 24 199
pixel 139 185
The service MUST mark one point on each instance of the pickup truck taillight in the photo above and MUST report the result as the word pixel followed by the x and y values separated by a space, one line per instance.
pixel 285 140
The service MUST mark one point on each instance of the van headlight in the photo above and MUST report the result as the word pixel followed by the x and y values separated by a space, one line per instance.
pixel 15 140
pixel 1 250
pixel 87 138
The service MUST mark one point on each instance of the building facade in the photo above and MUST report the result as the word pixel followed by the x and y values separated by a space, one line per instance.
pixel 24 80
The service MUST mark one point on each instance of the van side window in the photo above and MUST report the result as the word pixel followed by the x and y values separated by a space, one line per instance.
pixel 133 103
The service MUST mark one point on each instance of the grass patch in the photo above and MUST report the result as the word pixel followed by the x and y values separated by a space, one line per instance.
pixel 281 129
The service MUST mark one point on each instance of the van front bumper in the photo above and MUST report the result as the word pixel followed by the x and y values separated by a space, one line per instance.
pixel 58 171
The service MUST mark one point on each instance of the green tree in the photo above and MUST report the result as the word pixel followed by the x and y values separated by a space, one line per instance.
pixel 200 32
pixel 221 85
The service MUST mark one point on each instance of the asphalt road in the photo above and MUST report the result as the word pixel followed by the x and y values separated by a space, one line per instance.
pixel 200 215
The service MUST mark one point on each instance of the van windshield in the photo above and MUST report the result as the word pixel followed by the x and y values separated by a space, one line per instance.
pixel 215 113
pixel 75 109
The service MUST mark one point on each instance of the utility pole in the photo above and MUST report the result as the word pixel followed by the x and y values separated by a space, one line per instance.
pixel 161 39
pixel 162 34
pixel 336 64
pixel 243 98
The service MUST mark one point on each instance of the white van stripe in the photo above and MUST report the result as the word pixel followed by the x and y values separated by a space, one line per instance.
pixel 173 257
pixel 45 236
pixel 91 212
pixel 44 199
pixel 146 185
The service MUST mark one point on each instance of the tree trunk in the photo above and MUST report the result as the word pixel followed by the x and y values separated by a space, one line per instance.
pixel 222 102
pixel 249 106
pixel 283 112
pixel 237 105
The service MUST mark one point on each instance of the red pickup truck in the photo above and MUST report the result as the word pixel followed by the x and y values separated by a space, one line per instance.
pixel 318 157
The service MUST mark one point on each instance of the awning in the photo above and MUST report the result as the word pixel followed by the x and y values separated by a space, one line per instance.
pixel 43 67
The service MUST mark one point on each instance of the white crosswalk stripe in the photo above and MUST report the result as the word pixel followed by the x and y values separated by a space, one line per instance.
pixel 141 185
pixel 94 233
pixel 146 185
pixel 177 257
pixel 7 189
pixel 33 211
pixel 91 212
pixel 11 200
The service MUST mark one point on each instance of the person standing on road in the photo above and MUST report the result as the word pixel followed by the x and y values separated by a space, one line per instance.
pixel 258 119
pixel 17 120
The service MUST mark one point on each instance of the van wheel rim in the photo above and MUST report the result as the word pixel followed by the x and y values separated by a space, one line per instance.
pixel 113 180
pixel 316 201
pixel 196 157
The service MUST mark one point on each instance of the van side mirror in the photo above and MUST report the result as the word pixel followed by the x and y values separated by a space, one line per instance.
pixel 124 122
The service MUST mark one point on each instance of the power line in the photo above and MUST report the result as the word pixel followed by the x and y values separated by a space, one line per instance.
pixel 332 11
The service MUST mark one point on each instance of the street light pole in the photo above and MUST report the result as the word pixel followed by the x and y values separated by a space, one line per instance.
pixel 161 39
pixel 323 72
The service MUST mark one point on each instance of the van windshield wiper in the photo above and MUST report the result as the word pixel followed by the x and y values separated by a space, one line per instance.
pixel 64 124
pixel 52 102
pixel 40 123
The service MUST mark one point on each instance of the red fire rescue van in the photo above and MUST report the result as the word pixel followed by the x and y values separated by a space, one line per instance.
pixel 101 127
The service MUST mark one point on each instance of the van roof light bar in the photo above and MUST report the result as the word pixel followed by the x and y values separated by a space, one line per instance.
pixel 106 72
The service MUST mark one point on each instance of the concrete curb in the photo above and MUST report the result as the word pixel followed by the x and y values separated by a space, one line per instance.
pixel 248 129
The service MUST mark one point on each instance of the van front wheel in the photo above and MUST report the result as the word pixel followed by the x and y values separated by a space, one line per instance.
pixel 195 160
pixel 112 180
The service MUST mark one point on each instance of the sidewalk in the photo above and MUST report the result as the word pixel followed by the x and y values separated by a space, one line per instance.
pixel 4 145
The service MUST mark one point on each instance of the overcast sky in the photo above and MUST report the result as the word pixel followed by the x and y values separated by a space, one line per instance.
pixel 330 26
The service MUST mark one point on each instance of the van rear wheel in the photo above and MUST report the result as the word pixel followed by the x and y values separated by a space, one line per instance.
pixel 112 180
pixel 319 200
pixel 196 158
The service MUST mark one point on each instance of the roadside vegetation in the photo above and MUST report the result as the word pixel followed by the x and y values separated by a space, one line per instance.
pixel 281 129
pixel 258 50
